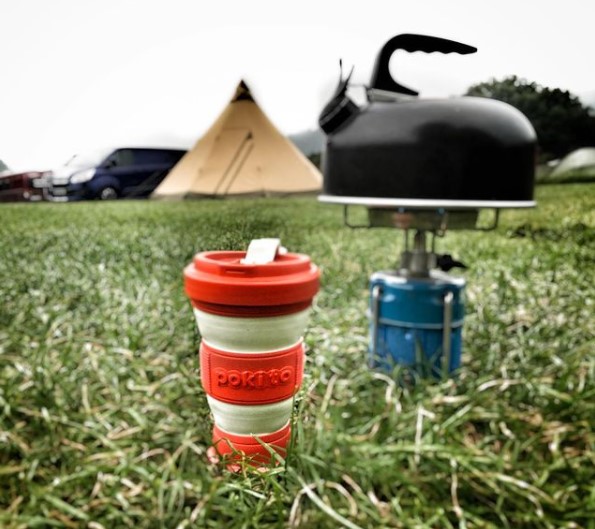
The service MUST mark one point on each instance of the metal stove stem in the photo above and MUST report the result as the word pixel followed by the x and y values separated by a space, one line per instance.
pixel 419 261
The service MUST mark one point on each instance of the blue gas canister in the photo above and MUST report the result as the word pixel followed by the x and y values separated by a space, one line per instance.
pixel 416 322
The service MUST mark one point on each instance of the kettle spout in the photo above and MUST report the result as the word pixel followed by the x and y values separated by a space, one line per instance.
pixel 340 109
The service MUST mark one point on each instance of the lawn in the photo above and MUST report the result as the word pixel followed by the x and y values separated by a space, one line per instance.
pixel 104 424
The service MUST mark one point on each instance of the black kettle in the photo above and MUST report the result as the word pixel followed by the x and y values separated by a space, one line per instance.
pixel 400 146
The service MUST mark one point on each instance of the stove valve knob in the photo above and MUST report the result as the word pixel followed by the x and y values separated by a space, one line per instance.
pixel 446 262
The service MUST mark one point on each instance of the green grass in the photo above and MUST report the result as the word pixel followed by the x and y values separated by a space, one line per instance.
pixel 103 422
pixel 580 175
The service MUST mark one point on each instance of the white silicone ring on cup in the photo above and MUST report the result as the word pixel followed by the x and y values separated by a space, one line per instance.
pixel 248 335
pixel 250 420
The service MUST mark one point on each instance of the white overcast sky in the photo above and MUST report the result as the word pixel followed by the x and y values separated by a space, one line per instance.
pixel 80 74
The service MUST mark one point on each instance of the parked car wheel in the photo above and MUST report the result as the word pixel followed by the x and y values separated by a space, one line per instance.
pixel 108 193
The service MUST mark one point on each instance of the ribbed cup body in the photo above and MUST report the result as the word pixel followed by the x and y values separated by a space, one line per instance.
pixel 251 334
pixel 250 384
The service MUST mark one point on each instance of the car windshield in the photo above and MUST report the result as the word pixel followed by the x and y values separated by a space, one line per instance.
pixel 87 159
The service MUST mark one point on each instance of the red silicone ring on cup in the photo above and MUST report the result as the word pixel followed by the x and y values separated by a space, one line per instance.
pixel 226 443
pixel 251 378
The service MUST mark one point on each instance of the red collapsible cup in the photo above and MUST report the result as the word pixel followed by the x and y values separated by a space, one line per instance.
pixel 251 318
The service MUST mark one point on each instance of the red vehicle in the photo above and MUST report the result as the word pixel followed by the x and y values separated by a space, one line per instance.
pixel 22 187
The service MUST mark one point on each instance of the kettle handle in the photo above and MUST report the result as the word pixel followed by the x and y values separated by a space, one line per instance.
pixel 381 77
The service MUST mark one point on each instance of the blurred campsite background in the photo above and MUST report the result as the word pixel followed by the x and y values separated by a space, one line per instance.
pixel 133 74
pixel 103 420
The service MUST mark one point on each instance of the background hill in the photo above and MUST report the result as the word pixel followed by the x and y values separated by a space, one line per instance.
pixel 309 142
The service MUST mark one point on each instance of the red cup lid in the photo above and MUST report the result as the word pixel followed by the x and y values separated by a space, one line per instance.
pixel 220 279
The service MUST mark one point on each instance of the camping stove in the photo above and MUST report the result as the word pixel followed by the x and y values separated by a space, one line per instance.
pixel 416 311
pixel 423 166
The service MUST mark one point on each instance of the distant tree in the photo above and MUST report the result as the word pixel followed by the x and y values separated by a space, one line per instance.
pixel 562 123
pixel 315 158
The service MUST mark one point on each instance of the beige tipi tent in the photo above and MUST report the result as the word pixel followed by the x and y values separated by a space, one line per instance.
pixel 241 154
